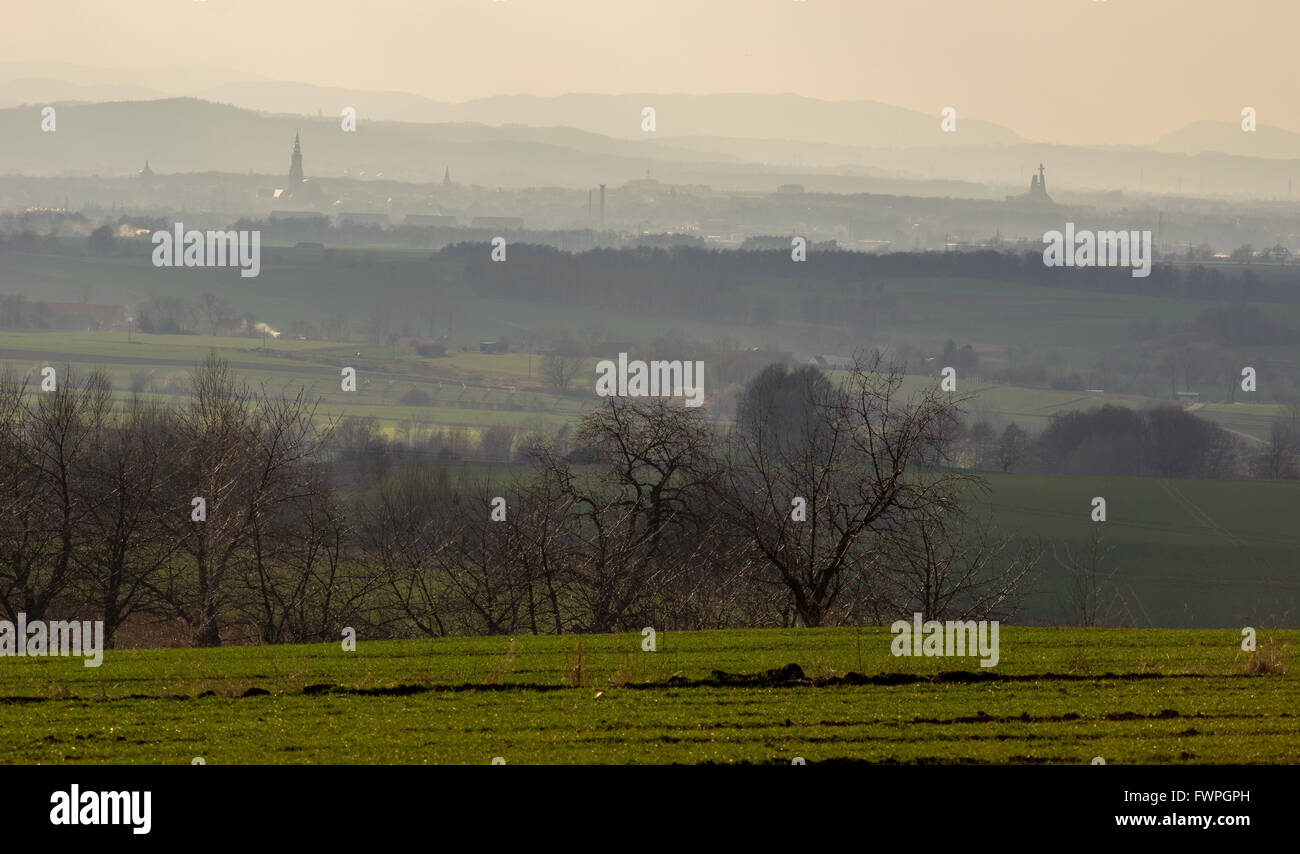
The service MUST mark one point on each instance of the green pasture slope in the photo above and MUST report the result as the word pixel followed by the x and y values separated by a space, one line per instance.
pixel 1056 696
pixel 1185 553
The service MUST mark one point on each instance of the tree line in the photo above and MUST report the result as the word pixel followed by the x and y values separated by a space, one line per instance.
pixel 1160 441
pixel 698 282
pixel 825 504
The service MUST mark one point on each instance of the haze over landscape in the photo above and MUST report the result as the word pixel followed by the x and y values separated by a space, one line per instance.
pixel 1109 73
pixel 517 332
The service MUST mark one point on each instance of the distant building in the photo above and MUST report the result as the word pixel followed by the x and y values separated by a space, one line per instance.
pixel 492 347
pixel 446 177
pixel 146 175
pixel 297 187
pixel 295 163
pixel 1037 194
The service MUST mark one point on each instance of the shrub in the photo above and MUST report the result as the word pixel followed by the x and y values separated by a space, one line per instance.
pixel 415 397
pixel 431 351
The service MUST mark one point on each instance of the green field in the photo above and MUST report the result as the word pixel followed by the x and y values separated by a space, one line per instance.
pixel 1246 419
pixel 466 389
pixel 1056 696
pixel 1190 553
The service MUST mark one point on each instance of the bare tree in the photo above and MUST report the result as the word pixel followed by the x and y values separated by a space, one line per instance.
pixel 125 488
pixel 282 443
pixel 817 504
pixel 496 441
pixel 213 435
pixel 653 458
pixel 1011 447
pixel 240 457
pixel 950 565
pixel 402 530
pixel 1086 578
pixel 53 437
pixel 305 585
pixel 542 529
pixel 559 369
pixel 26 539
pixel 488 593
pixel 982 439
pixel 216 311
pixel 1280 458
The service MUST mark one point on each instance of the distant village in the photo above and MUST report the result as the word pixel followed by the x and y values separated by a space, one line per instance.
pixel 372 210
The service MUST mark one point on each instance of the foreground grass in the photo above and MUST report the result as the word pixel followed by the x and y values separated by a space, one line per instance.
pixel 1059 695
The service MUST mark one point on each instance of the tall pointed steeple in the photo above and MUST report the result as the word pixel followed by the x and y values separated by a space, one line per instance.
pixel 295 164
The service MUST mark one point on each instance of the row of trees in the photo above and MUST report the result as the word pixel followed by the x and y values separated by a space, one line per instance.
pixel 696 282
pixel 193 513
pixel 822 505
pixel 1163 441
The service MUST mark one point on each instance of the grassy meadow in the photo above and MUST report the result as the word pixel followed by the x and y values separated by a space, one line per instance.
pixel 1056 696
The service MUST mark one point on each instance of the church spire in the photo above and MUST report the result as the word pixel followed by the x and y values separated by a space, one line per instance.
pixel 295 164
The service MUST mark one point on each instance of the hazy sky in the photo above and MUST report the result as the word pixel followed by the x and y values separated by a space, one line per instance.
pixel 1074 71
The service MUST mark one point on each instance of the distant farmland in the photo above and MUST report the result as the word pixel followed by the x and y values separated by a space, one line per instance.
pixel 466 388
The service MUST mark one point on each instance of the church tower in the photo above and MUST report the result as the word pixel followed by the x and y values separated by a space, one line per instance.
pixel 1037 194
pixel 295 165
